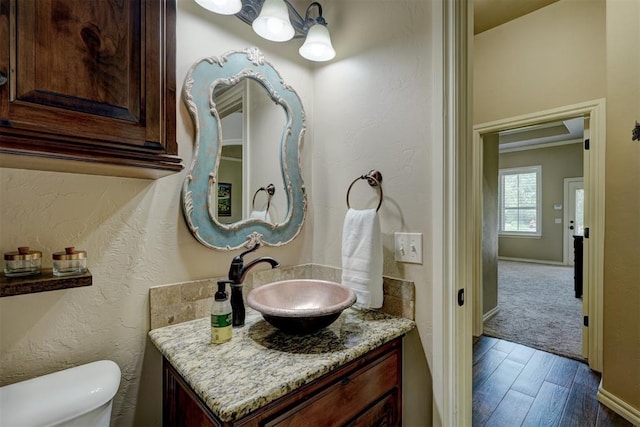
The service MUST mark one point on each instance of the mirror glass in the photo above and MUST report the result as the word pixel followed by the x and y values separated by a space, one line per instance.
pixel 251 128
pixel 244 185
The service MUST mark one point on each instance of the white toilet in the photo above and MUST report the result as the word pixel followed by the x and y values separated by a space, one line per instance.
pixel 80 396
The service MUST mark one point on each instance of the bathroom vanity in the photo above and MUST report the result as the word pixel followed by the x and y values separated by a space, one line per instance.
pixel 349 373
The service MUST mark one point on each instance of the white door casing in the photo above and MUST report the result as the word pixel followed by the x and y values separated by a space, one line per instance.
pixel 593 215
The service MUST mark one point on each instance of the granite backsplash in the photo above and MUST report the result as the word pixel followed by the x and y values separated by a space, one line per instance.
pixel 180 302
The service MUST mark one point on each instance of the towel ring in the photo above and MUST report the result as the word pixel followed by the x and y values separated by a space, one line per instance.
pixel 374 178
pixel 269 189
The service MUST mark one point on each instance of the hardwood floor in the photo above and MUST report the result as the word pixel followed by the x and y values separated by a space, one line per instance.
pixel 514 385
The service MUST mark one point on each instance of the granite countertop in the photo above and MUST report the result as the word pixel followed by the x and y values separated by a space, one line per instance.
pixel 260 363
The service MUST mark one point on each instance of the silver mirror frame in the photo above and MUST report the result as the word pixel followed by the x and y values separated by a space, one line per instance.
pixel 200 181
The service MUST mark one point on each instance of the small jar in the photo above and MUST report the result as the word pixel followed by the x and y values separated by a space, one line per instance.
pixel 22 263
pixel 69 262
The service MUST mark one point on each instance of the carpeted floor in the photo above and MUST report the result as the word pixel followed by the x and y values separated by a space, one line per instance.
pixel 538 308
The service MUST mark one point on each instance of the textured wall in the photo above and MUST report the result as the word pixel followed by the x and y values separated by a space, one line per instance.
pixel 549 58
pixel 373 111
pixel 621 371
pixel 135 238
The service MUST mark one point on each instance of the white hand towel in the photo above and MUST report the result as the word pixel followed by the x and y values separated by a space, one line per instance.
pixel 362 257
pixel 263 215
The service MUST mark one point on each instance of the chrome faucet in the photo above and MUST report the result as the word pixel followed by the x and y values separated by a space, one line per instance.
pixel 237 273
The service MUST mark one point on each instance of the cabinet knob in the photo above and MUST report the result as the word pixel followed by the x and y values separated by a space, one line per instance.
pixel 3 79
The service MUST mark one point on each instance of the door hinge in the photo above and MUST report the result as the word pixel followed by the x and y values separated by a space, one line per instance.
pixel 461 297
pixel 586 144
pixel 585 321
pixel 586 232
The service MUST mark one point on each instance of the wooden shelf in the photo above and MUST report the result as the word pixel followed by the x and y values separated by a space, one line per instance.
pixel 43 282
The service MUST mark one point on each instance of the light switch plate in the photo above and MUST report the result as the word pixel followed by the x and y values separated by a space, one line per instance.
pixel 408 247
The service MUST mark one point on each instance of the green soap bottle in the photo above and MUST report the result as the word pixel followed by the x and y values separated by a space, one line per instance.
pixel 221 318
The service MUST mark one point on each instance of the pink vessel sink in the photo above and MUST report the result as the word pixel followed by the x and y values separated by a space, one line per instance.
pixel 301 306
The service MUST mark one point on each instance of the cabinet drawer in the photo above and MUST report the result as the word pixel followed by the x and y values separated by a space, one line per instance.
pixel 345 399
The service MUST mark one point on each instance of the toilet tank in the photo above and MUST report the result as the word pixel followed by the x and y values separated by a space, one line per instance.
pixel 80 396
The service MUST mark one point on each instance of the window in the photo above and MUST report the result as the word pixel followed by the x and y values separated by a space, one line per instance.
pixel 520 201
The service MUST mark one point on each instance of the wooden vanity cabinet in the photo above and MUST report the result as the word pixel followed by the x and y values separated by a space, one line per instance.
pixel 88 86
pixel 364 392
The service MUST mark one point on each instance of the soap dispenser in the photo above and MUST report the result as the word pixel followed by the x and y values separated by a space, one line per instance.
pixel 221 318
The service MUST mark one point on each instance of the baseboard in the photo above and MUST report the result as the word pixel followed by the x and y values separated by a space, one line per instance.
pixel 619 406
pixel 489 314
pixel 535 261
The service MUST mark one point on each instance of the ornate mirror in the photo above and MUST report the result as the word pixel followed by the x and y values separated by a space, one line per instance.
pixel 244 185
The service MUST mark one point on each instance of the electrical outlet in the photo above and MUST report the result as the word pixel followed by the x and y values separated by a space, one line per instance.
pixel 408 247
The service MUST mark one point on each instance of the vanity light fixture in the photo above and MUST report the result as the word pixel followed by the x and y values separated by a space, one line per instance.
pixel 273 23
pixel 223 7
pixel 278 20
pixel 317 46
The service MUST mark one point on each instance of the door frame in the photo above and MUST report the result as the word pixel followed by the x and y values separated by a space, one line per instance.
pixel 594 177
pixel 452 352
pixel 566 238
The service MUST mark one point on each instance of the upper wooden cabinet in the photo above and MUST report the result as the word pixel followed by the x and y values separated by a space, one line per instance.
pixel 88 86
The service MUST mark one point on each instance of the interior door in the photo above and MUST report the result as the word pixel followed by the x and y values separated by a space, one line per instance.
pixel 574 221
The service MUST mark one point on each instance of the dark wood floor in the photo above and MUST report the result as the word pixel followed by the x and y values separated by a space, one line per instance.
pixel 514 385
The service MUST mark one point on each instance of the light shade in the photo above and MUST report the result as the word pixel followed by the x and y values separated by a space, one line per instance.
pixel 317 46
pixel 273 22
pixel 223 7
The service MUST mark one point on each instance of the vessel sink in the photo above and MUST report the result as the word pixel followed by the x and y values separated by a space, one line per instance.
pixel 301 306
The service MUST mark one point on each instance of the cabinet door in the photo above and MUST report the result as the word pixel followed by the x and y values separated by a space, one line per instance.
pixel 352 395
pixel 181 407
pixel 89 80
pixel 382 414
